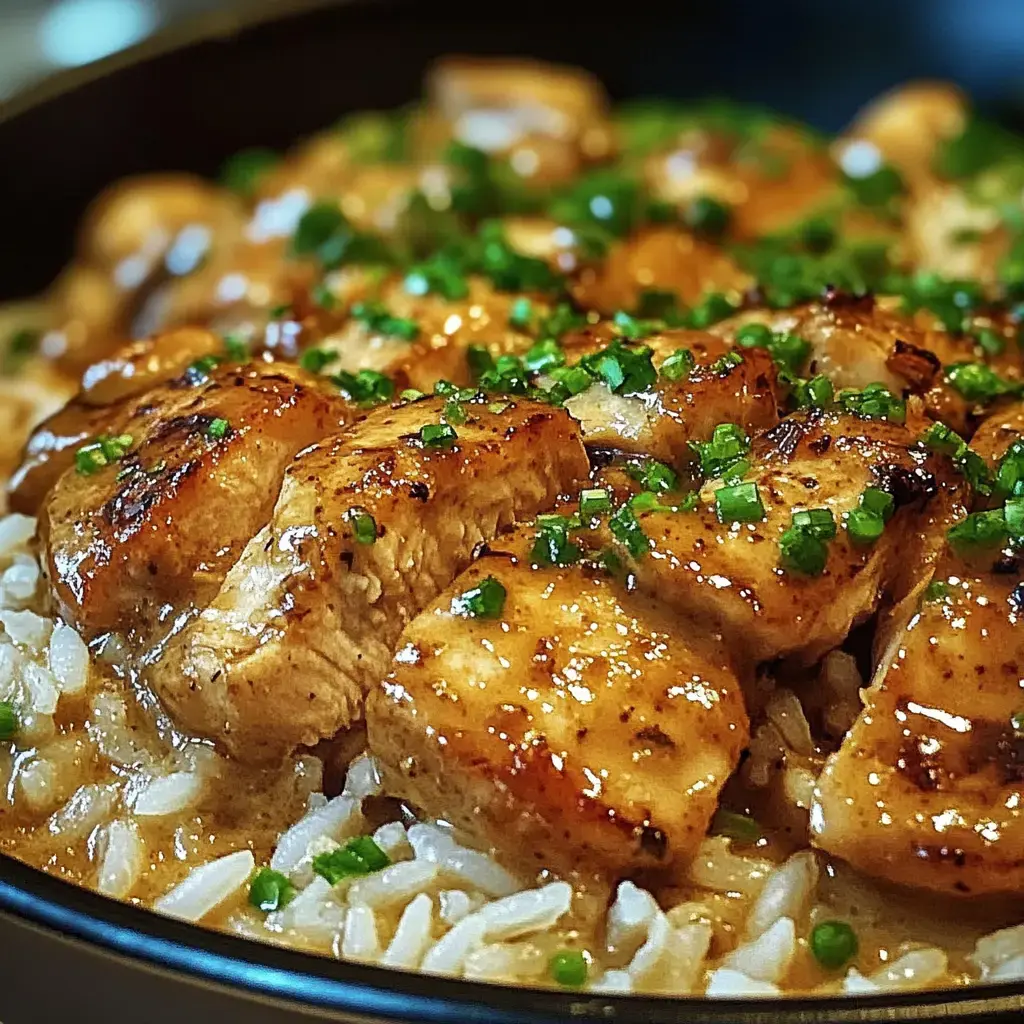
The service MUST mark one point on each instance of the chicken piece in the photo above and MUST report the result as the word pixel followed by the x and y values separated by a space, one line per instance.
pixel 110 395
pixel 657 258
pixel 906 124
pixel 662 420
pixel 769 182
pixel 927 788
pixel 444 331
pixel 580 725
pixel 134 544
pixel 728 575
pixel 546 117
pixel 369 527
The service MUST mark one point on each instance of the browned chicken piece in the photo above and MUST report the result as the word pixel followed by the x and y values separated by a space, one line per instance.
pixel 784 179
pixel 136 542
pixel 926 790
pixel 906 125
pixel 444 331
pixel 370 526
pixel 658 258
pixel 663 420
pixel 580 725
pixel 112 392
pixel 547 120
pixel 728 575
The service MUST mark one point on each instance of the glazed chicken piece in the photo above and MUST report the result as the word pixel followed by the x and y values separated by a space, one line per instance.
pixel 662 258
pixel 112 393
pixel 549 118
pixel 662 420
pixel 728 575
pixel 144 530
pixel 575 724
pixel 926 790
pixel 371 524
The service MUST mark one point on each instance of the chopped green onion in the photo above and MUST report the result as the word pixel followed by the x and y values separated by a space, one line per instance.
pixel 940 438
pixel 875 402
pixel 367 387
pixel 568 968
pixel 625 370
pixel 979 530
pixel 678 365
pixel 740 503
pixel 653 475
pixel 818 522
pixel 359 856
pixel 728 445
pixel 816 393
pixel 1017 723
pixel 315 359
pixel 270 890
pixel 707 217
pixel 521 314
pixel 979 383
pixel 713 307
pixel 574 379
pixel 726 364
pixel 323 297
pixel 738 827
pixel 484 601
pixel 377 318
pixel 552 545
pixel 1010 474
pixel 91 458
pixel 990 342
pixel 438 435
pixel 802 552
pixel 237 348
pixel 878 188
pixel 218 429
pixel 364 526
pixel 833 943
pixel 411 395
pixel 864 527
pixel 544 356
pixel 197 373
pixel 1013 513
pixel 878 502
pixel 754 336
pixel 594 501
pixel 8 720
pixel 627 530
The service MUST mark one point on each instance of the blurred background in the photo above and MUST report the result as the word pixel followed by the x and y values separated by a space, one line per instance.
pixel 38 37
pixel 818 60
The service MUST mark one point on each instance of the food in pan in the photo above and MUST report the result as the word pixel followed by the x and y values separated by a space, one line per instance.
pixel 525 540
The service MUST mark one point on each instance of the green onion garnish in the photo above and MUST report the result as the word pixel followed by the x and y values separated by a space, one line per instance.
pixel 738 827
pixel 833 943
pixel 218 429
pixel 104 451
pixel 437 435
pixel 367 387
pixel 484 601
pixel 270 890
pixel 594 501
pixel 569 968
pixel 740 503
pixel 364 526
pixel 678 365
pixel 359 856
pixel 8 720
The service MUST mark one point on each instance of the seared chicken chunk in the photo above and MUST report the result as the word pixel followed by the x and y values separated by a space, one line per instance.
pixel 145 531
pixel 728 575
pixel 926 790
pixel 371 524
pixel 575 723
pixel 682 407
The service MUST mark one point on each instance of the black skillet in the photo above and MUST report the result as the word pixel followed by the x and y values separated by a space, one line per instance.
pixel 187 100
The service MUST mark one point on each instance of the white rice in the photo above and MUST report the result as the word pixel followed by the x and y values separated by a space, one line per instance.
pixel 439 907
